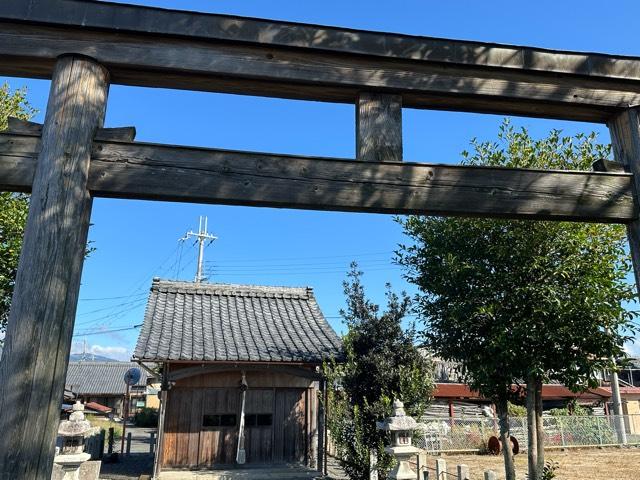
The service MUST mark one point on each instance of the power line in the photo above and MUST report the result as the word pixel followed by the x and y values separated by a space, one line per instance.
pixel 138 297
pixel 100 332
pixel 302 272
pixel 115 315
pixel 110 298
pixel 305 265
pixel 262 259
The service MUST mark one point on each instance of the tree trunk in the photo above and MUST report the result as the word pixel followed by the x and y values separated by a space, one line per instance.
pixel 532 436
pixel 539 426
pixel 505 438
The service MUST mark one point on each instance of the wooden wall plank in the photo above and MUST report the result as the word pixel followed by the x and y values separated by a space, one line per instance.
pixel 36 350
pixel 195 426
pixel 171 428
pixel 275 71
pixel 169 173
pixel 184 426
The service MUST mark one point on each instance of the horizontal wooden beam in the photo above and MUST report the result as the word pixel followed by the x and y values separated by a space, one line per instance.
pixel 25 127
pixel 158 48
pixel 186 174
pixel 229 28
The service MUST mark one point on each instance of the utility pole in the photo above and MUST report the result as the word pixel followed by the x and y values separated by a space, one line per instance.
pixel 202 237
pixel 617 405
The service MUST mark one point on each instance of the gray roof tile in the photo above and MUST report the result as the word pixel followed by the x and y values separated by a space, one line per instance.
pixel 106 378
pixel 222 322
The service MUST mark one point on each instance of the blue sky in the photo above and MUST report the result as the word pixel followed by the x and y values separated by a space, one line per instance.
pixel 138 240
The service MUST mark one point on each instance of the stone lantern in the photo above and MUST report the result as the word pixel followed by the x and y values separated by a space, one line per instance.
pixel 72 453
pixel 401 427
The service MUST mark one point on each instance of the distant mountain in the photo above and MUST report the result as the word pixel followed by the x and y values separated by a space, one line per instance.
pixel 88 357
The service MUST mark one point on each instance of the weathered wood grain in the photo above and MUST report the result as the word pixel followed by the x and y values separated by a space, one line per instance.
pixel 194 25
pixel 625 139
pixel 25 127
pixel 275 71
pixel 34 363
pixel 604 165
pixel 379 127
pixel 183 174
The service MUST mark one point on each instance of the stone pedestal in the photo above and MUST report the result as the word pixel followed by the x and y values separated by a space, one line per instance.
pixel 402 470
pixel 71 464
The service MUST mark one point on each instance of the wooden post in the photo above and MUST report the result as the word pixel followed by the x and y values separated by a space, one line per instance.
pixel 379 127
pixel 441 469
pixel 490 475
pixel 128 451
pixel 39 331
pixel 157 458
pixel 125 416
pixel 463 472
pixel 625 139
pixel 101 448
pixel 110 440
pixel 152 442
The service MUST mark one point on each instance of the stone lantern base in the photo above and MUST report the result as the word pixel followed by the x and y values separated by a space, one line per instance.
pixel 403 454
pixel 71 464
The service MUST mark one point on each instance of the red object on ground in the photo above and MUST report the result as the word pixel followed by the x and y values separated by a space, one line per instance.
pixel 95 406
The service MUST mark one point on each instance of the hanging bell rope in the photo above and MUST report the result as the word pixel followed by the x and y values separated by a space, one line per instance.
pixel 241 456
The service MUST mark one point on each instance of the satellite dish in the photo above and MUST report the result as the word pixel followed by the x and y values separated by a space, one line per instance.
pixel 132 376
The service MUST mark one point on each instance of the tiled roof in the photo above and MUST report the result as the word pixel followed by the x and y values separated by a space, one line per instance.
pixel 101 378
pixel 220 322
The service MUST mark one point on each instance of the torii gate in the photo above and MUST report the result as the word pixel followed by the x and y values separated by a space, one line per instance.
pixel 83 46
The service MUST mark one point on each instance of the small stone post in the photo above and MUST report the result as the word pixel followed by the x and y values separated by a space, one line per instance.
pixel 463 472
pixel 401 427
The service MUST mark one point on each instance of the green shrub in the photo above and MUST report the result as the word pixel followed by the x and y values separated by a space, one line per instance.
pixel 147 417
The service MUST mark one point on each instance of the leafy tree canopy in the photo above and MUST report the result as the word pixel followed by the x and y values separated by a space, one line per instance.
pixel 511 299
pixel 381 363
pixel 523 300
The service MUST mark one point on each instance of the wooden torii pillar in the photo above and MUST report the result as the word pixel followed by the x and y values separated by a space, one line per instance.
pixel 44 304
pixel 625 139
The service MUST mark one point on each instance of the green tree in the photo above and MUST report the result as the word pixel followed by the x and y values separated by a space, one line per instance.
pixel 516 300
pixel 13 206
pixel 381 363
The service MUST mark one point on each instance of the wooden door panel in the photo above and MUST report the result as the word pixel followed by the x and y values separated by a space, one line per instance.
pixel 289 425
pixel 258 437
pixel 218 444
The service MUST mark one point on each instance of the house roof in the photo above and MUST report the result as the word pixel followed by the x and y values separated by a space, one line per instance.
pixel 101 378
pixel 549 392
pixel 228 323
pixel 97 407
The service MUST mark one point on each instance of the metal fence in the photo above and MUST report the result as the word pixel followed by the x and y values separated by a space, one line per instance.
pixel 472 434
